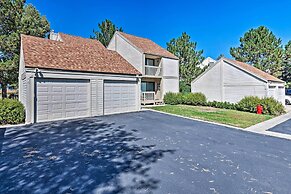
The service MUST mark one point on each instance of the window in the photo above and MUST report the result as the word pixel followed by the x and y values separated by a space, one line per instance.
pixel 147 86
pixel 150 62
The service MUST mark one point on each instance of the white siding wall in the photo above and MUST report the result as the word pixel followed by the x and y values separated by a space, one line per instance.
pixel 210 83
pixel 127 51
pixel 238 84
pixel 29 113
pixel 22 79
pixel 170 75
pixel 93 85
pixel 226 82
pixel 100 95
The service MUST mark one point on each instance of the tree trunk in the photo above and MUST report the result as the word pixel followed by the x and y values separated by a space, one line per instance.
pixel 4 90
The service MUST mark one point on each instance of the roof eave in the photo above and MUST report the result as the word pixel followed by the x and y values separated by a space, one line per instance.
pixel 176 58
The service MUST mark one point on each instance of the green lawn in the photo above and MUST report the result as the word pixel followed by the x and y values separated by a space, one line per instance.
pixel 224 116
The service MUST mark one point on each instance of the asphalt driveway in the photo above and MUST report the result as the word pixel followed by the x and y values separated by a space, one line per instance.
pixel 284 127
pixel 144 152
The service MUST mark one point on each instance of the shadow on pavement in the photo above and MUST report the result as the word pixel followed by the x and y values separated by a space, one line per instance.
pixel 79 156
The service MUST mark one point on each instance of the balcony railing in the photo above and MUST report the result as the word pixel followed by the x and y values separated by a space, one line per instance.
pixel 150 98
pixel 153 70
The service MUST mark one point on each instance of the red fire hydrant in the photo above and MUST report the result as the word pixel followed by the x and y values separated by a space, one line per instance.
pixel 259 109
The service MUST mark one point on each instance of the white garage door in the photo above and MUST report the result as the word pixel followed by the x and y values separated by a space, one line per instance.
pixel 120 96
pixel 61 99
pixel 273 92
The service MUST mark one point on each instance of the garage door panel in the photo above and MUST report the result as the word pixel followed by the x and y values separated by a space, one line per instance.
pixel 57 89
pixel 120 96
pixel 61 99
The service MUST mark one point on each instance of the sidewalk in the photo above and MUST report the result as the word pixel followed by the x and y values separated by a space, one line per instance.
pixel 262 128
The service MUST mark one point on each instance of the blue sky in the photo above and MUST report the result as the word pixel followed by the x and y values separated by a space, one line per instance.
pixel 214 25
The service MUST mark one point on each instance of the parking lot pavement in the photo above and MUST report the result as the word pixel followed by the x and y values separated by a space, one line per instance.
pixel 142 152
pixel 284 127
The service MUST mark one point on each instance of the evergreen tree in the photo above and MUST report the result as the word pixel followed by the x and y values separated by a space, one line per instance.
pixel 286 75
pixel 189 57
pixel 261 48
pixel 106 32
pixel 220 56
pixel 16 18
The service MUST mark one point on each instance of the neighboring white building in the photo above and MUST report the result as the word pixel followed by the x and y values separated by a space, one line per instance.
pixel 206 62
pixel 159 68
pixel 229 80
pixel 71 77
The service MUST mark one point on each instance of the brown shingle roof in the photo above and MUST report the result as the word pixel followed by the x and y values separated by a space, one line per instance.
pixel 73 53
pixel 147 46
pixel 252 69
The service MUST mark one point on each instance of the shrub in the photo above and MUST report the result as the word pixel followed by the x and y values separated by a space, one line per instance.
pixel 225 105
pixel 11 112
pixel 195 99
pixel 271 106
pixel 249 104
pixel 171 98
pixel 186 98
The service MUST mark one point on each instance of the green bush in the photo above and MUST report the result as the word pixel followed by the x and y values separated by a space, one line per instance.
pixel 225 105
pixel 186 98
pixel 171 98
pixel 249 104
pixel 195 99
pixel 270 105
pixel 11 112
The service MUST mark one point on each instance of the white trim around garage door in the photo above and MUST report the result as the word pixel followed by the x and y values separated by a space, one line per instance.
pixel 59 99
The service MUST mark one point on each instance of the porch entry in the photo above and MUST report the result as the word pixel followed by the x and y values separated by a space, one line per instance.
pixel 151 92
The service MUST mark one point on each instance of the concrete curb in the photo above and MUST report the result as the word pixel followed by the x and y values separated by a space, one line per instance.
pixel 264 126
pixel 209 122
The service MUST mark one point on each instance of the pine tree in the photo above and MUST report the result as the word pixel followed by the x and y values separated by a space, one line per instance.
pixel 261 48
pixel 16 18
pixel 286 75
pixel 106 32
pixel 189 57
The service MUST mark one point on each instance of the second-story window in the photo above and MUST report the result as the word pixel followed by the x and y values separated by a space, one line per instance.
pixel 150 62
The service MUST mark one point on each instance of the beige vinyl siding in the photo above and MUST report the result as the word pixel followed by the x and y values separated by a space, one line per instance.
pixel 238 84
pixel 100 95
pixel 236 93
pixel 209 84
pixel 93 85
pixel 127 51
pixel 170 75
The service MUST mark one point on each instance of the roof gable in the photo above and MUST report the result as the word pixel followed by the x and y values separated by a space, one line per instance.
pixel 253 70
pixel 73 53
pixel 147 46
pixel 245 67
